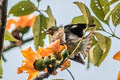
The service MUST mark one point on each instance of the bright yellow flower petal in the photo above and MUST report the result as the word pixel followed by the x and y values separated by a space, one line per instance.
pixel 117 56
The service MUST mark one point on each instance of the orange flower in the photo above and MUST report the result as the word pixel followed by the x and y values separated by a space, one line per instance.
pixel 118 76
pixel 54 47
pixel 27 65
pixel 65 65
pixel 24 21
pixel 32 56
pixel 117 56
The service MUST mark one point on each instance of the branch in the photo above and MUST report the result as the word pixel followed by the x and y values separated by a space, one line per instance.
pixel 42 76
pixel 70 74
pixel 3 18
pixel 14 45
pixel 112 35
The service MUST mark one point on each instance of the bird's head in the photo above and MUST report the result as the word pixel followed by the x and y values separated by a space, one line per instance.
pixel 52 30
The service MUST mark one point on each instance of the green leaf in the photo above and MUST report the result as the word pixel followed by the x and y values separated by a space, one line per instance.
pixel 81 20
pixel 101 41
pixel 88 62
pixel 97 53
pixel 109 3
pixel 51 19
pixel 115 13
pixel 94 41
pixel 91 55
pixel 99 49
pixel 38 30
pixel 97 23
pixel 99 11
pixel 22 8
pixel 85 11
pixel 9 37
pixel 1 71
pixel 108 45
pixel 23 30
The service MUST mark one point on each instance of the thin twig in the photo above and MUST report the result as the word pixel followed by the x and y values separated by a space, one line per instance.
pixel 70 74
pixel 112 35
pixel 41 76
pixel 14 45
pixel 111 29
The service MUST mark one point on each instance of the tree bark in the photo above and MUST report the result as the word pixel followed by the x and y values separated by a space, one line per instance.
pixel 3 18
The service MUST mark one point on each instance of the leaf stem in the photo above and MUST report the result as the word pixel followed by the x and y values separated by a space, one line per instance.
pixel 14 45
pixel 38 5
pixel 112 35
pixel 70 74
pixel 110 29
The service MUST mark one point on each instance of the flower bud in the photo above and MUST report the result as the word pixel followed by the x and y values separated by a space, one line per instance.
pixel 38 64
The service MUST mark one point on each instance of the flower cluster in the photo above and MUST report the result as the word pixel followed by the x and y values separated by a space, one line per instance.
pixel 44 59
pixel 24 21
pixel 21 26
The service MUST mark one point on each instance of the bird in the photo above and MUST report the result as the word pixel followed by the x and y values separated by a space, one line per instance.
pixel 70 35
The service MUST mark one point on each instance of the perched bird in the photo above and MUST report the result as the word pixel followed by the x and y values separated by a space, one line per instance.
pixel 71 35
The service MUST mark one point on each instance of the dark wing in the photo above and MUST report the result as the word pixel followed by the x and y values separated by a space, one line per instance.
pixel 77 29
pixel 86 44
pixel 83 48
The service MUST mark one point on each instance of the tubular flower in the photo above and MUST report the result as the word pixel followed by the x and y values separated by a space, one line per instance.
pixel 31 57
pixel 24 21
